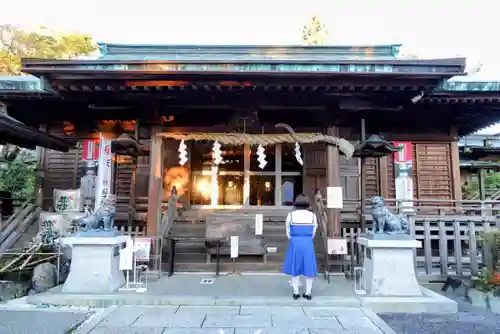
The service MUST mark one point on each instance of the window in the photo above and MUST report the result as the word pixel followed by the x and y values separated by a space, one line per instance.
pixel 201 193
pixel 291 187
pixel 230 189
pixel 201 156
pixel 288 161
pixel 262 189
pixel 270 152
pixel 232 158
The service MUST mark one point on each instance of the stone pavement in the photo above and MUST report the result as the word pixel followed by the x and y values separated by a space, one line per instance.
pixel 235 320
pixel 39 321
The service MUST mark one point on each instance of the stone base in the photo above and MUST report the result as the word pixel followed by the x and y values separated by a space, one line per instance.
pixel 94 265
pixel 389 268
pixel 384 236
pixel 429 302
pixel 99 234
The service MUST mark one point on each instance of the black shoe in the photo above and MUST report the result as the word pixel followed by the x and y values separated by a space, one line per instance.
pixel 295 297
pixel 308 297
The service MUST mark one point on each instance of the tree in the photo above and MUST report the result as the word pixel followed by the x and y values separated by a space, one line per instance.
pixel 16 43
pixel 19 179
pixel 315 32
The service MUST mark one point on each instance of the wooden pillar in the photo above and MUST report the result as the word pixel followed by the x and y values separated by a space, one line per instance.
pixel 40 172
pixel 481 178
pixel 455 171
pixel 278 199
pixel 155 192
pixel 362 194
pixel 383 183
pixel 333 180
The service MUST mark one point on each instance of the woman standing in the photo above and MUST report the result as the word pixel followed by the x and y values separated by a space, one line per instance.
pixel 300 258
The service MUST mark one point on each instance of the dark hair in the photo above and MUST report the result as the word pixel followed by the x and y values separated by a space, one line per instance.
pixel 302 202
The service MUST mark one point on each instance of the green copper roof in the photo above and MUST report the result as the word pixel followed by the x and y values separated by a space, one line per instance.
pixel 470 86
pixel 246 52
pixel 284 58
pixel 20 83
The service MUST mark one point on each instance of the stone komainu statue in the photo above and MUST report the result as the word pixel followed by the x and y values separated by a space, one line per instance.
pixel 385 221
pixel 103 218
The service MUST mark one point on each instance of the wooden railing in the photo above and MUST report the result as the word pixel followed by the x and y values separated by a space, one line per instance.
pixel 352 208
pixel 449 232
pixel 450 244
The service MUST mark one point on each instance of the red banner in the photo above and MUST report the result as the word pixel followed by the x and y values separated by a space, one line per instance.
pixel 405 154
pixel 403 174
pixel 90 149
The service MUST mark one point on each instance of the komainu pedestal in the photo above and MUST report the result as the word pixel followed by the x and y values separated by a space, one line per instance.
pixel 95 264
pixel 389 267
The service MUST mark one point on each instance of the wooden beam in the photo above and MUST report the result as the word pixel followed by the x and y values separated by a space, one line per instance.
pixel 155 192
pixel 383 177
pixel 278 199
pixel 455 171
pixel 417 170
pixel 333 180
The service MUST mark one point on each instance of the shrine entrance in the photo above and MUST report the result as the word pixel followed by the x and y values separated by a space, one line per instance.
pixel 239 180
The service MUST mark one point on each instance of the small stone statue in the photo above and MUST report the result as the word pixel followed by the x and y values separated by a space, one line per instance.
pixel 103 218
pixel 384 221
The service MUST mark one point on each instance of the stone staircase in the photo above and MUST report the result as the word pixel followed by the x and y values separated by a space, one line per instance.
pixel 192 256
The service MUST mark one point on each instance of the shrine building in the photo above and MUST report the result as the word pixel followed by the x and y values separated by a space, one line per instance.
pixel 332 97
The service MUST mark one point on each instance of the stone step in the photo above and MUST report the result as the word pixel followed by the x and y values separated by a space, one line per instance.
pixel 226 267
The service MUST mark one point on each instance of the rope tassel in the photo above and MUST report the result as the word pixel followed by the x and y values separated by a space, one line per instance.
pixel 217 153
pixel 298 155
pixel 182 153
pixel 261 157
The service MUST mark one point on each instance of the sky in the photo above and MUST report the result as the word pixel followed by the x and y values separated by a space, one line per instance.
pixel 428 28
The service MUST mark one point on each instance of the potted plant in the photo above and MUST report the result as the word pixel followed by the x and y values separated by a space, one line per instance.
pixel 493 299
pixel 481 288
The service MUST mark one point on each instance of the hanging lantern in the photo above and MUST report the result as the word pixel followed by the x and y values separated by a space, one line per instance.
pixel 182 153
pixel 261 156
pixel 217 153
pixel 298 155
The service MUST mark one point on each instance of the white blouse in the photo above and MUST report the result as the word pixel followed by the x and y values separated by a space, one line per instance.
pixel 301 217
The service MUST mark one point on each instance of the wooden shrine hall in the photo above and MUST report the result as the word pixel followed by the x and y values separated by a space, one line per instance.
pixel 208 116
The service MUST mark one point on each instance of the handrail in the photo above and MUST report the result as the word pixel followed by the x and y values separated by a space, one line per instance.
pixel 169 215
pixel 320 211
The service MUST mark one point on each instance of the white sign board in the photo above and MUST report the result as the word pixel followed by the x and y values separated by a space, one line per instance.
pixel 259 223
pixel 142 249
pixel 127 256
pixel 103 186
pixel 235 245
pixel 337 246
pixel 334 198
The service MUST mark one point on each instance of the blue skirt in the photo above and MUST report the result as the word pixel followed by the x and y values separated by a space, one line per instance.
pixel 300 257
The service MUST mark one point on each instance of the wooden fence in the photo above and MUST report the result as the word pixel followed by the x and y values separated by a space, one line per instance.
pixel 451 245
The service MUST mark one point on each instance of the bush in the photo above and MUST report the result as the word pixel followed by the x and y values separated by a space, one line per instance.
pixel 19 179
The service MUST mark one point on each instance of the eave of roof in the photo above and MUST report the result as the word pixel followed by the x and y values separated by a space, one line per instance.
pixel 479 164
pixel 15 132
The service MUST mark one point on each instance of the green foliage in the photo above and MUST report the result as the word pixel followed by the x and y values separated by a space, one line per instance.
pixel 490 243
pixel 482 282
pixel 315 32
pixel 489 278
pixel 491 184
pixel 492 180
pixel 16 44
pixel 19 179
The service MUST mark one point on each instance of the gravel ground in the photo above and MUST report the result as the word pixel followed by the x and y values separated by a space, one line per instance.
pixel 468 320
